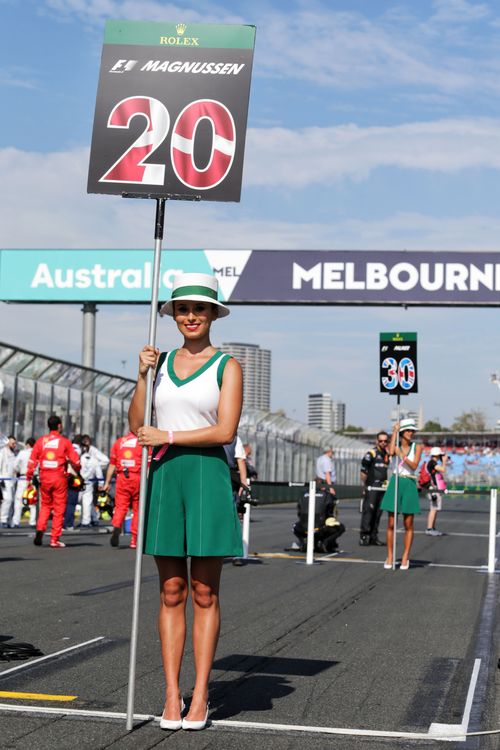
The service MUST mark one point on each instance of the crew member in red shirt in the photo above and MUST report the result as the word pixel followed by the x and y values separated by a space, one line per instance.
pixel 125 459
pixel 53 452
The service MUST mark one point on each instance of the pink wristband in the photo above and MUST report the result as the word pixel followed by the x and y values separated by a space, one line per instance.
pixel 164 447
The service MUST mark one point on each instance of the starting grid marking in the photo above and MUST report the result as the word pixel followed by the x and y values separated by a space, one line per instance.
pixel 335 558
pixel 436 732
pixel 454 734
pixel 37 696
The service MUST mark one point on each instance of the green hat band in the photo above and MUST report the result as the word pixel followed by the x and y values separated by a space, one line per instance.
pixel 185 291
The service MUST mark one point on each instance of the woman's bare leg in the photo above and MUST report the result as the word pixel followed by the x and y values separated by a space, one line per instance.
pixel 390 536
pixel 408 537
pixel 172 627
pixel 205 580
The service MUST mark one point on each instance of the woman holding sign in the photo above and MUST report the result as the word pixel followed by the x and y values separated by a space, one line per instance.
pixel 407 457
pixel 190 511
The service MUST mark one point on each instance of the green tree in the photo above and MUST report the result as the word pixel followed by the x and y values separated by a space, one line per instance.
pixel 352 428
pixel 432 425
pixel 470 421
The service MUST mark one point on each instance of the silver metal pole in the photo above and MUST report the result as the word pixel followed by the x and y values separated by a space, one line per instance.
pixel 396 489
pixel 493 532
pixel 89 311
pixel 160 212
pixel 311 511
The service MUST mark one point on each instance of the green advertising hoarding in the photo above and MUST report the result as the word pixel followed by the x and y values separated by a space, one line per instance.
pixel 112 276
pixel 249 276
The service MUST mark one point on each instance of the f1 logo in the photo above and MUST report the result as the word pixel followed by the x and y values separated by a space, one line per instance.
pixel 121 66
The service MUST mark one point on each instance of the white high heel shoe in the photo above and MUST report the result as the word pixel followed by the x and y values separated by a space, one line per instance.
pixel 196 725
pixel 172 724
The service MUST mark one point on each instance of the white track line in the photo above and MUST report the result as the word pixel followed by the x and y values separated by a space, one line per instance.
pixel 28 664
pixel 452 735
pixel 456 533
pixel 74 712
pixel 322 730
pixel 460 730
pixel 329 558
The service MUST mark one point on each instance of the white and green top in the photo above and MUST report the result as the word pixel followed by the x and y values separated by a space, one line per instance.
pixel 404 469
pixel 190 403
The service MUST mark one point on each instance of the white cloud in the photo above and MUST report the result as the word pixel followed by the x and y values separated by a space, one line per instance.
pixel 415 231
pixel 460 11
pixel 338 48
pixel 61 214
pixel 297 158
pixel 275 157
pixel 347 50
pixel 95 12
pixel 16 78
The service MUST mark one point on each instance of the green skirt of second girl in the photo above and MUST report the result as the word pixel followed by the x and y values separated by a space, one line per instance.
pixel 408 501
pixel 190 509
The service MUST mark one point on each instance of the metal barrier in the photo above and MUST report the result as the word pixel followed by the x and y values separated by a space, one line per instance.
pixel 493 532
pixel 311 512
pixel 246 530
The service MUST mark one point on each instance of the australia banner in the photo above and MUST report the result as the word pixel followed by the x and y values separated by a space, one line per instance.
pixel 171 110
pixel 256 277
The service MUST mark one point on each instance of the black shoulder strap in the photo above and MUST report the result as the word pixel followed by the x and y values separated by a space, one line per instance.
pixel 161 360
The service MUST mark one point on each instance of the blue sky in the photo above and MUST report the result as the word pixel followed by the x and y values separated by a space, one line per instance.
pixel 372 125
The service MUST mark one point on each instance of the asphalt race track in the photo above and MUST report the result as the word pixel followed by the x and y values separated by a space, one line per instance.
pixel 341 654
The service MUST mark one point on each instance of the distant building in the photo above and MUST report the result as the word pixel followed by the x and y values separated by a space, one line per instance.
pixel 338 416
pixel 416 414
pixel 319 411
pixel 256 365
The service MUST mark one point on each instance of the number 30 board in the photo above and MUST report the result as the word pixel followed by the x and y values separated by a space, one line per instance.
pixel 398 363
pixel 171 110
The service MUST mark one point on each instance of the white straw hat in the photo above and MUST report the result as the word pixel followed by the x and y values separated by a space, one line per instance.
pixel 196 287
pixel 407 424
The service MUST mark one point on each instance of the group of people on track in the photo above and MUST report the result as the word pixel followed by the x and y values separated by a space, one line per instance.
pixel 55 474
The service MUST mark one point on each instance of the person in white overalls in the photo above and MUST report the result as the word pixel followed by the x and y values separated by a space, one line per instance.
pixel 8 478
pixel 91 473
pixel 20 467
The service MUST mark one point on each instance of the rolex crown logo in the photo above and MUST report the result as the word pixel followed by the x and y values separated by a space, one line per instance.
pixel 180 28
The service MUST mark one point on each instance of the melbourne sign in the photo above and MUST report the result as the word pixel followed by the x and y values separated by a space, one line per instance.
pixel 298 277
pixel 398 363
pixel 171 110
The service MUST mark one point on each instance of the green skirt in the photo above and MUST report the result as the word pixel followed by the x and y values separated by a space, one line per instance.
pixel 408 501
pixel 190 509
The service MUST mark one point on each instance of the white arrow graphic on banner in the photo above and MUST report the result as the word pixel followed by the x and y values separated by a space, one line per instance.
pixel 228 266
